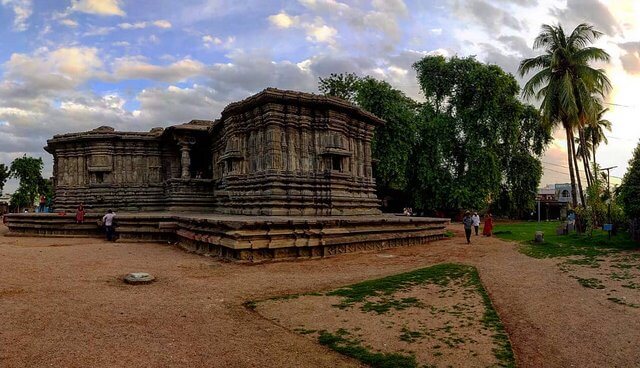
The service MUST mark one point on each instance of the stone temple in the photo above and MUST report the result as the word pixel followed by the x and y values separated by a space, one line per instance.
pixel 281 174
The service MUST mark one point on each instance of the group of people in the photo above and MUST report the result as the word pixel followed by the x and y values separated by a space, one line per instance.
pixel 472 222
pixel 108 221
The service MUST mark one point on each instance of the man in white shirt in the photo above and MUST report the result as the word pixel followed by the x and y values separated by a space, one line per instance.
pixel 476 221
pixel 107 220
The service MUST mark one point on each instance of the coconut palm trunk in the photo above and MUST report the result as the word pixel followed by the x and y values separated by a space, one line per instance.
pixel 574 195
pixel 576 167
pixel 585 157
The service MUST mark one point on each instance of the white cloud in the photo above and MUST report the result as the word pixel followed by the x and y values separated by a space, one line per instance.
pixel 316 30
pixel 69 22
pixel 137 68
pixel 210 41
pixel 98 31
pixel 98 7
pixel 63 68
pixel 162 23
pixel 165 24
pixel 22 10
pixel 283 20
pixel 138 25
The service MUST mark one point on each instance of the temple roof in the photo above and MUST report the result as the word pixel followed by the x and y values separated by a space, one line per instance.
pixel 299 98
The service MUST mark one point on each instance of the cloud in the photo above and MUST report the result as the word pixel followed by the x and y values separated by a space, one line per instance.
pixel 98 31
pixel 137 68
pixel 171 105
pixel 487 15
pixel 162 23
pixel 588 11
pixel 210 41
pixel 59 69
pixel 165 24
pixel 283 20
pixel 22 10
pixel 316 29
pixel 98 7
pixel 631 57
pixel 69 22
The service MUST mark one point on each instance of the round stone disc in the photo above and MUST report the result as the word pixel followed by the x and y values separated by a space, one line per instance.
pixel 139 278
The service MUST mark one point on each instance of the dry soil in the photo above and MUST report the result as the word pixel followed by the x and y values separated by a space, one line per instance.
pixel 63 304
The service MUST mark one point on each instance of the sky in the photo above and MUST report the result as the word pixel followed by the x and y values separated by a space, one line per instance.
pixel 74 65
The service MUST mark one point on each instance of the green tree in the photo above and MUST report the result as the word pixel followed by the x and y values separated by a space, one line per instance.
pixel 340 85
pixel 28 170
pixel 629 190
pixel 565 83
pixel 4 175
pixel 476 138
pixel 393 142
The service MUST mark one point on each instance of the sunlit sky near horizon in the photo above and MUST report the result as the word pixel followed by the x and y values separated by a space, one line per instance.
pixel 73 65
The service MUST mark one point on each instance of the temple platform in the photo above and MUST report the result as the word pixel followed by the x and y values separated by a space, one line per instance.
pixel 244 238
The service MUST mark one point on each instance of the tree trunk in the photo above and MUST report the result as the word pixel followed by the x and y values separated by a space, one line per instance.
pixel 574 195
pixel 585 158
pixel 594 147
pixel 575 163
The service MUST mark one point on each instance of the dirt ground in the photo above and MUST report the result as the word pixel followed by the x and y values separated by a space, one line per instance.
pixel 443 328
pixel 62 304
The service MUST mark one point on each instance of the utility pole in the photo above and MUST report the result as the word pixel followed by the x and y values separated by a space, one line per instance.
pixel 609 195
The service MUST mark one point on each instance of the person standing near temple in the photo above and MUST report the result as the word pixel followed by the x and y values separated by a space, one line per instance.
pixel 43 203
pixel 476 222
pixel 80 214
pixel 487 230
pixel 108 220
pixel 467 221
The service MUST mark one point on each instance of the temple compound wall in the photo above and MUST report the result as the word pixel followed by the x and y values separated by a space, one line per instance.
pixel 281 175
pixel 275 153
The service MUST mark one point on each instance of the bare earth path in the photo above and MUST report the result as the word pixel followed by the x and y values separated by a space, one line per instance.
pixel 62 305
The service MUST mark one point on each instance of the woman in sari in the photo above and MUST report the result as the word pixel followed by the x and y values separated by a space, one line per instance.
pixel 487 230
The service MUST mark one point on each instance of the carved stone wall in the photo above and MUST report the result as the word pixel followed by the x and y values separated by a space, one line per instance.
pixel 291 153
pixel 275 153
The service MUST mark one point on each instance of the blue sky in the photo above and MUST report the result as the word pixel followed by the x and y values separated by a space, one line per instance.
pixel 73 65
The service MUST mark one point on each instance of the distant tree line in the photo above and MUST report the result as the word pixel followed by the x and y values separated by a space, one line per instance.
pixel 470 145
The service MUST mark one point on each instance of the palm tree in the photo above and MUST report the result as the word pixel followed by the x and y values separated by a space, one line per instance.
pixel 565 83
pixel 594 131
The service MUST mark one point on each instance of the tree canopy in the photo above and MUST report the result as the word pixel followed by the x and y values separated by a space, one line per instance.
pixel 570 90
pixel 471 138
pixel 28 170
pixel 629 190
pixel 4 175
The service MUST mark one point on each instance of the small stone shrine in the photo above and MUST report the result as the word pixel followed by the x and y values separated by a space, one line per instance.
pixel 281 174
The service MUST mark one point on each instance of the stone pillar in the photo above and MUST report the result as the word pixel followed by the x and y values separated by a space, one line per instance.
pixel 185 160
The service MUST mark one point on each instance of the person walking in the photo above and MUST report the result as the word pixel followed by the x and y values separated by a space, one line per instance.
pixel 476 222
pixel 487 230
pixel 468 223
pixel 107 220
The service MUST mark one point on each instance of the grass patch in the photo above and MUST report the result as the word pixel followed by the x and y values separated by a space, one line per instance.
pixel 561 245
pixel 386 304
pixel 449 234
pixel 440 274
pixel 250 304
pixel 344 345
pixel 410 336
pixel 491 321
pixel 591 283
pixel 622 302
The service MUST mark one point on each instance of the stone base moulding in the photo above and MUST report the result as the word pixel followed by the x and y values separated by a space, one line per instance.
pixel 246 238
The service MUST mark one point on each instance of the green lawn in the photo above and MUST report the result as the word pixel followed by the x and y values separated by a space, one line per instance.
pixel 562 245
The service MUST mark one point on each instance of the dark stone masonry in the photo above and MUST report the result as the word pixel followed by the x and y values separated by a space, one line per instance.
pixel 281 174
